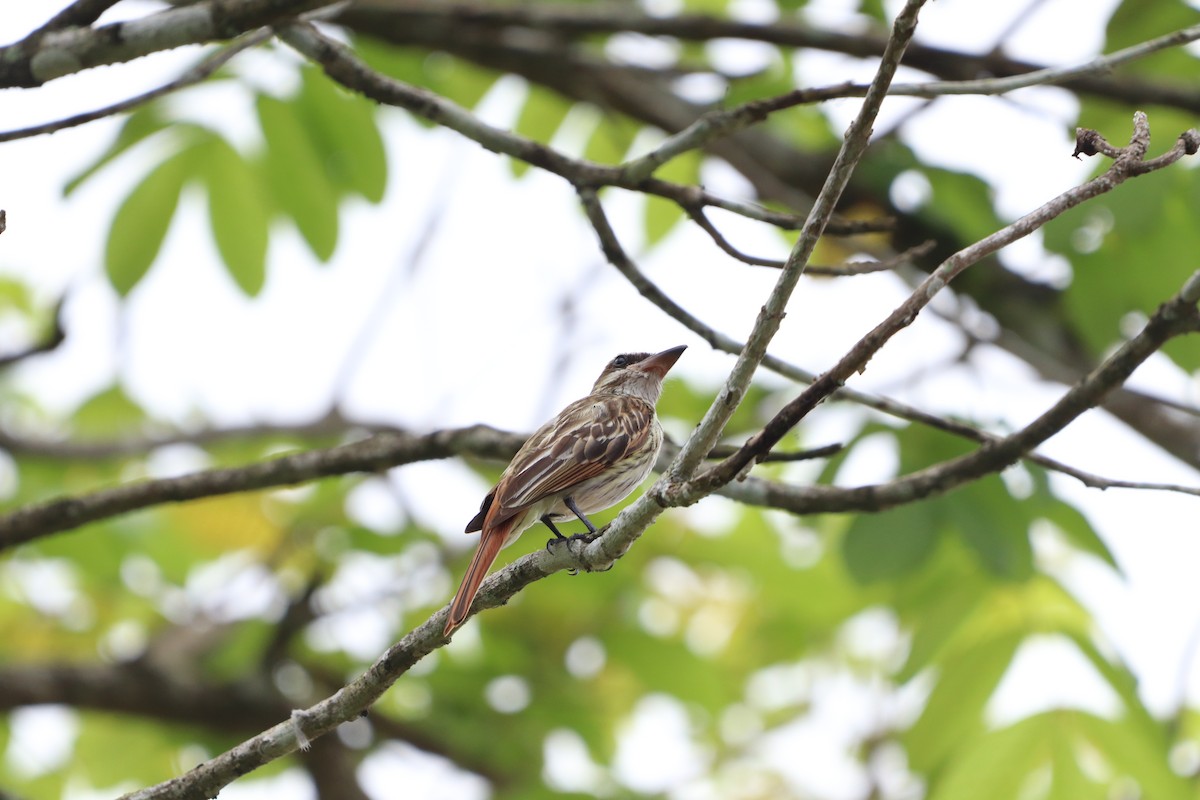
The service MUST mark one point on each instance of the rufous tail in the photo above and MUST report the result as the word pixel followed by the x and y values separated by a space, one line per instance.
pixel 490 543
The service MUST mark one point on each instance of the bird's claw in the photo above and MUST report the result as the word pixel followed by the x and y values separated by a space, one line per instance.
pixel 583 538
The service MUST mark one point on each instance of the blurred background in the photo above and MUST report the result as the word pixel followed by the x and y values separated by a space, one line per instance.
pixel 265 263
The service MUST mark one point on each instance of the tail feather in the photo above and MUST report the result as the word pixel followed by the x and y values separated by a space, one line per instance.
pixel 490 543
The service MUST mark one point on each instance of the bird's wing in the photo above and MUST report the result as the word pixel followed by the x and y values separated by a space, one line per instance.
pixel 589 436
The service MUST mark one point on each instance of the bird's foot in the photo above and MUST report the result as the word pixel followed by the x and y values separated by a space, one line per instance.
pixel 583 539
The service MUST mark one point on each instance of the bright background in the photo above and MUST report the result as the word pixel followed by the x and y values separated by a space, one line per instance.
pixel 404 325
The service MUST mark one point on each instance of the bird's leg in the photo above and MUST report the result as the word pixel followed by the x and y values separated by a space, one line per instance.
pixel 592 532
pixel 550 524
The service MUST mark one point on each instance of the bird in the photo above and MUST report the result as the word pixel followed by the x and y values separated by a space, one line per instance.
pixel 589 457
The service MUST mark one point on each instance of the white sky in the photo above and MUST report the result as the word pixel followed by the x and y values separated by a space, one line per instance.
pixel 450 350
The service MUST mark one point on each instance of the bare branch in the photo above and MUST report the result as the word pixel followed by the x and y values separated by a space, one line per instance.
pixel 768 493
pixel 54 337
pixel 773 310
pixel 78 14
pixel 1128 164
pixel 374 454
pixel 958 71
pixel 1049 76
pixel 842 270
pixel 343 66
pixel 1177 316
pixel 196 74
pixel 52 54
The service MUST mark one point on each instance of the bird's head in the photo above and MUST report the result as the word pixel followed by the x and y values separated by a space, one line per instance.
pixel 638 374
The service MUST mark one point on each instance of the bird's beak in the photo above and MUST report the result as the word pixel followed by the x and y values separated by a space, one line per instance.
pixel 660 363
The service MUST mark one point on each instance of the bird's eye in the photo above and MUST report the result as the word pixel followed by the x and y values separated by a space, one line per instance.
pixel 620 361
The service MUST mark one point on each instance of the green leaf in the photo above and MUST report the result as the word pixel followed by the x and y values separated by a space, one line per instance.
pixel 106 413
pixel 947 607
pixel 611 139
pixel 999 764
pixel 346 134
pixel 15 296
pixel 460 81
pixel 141 223
pixel 663 215
pixel 112 749
pixel 1068 781
pixel 1133 753
pixel 1068 519
pixel 541 115
pixel 237 210
pixel 953 715
pixel 994 525
pixel 890 544
pixel 142 123
pixel 296 176
pixel 1130 250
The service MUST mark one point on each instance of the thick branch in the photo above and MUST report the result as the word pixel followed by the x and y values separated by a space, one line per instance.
pixel 957 70
pixel 47 55
pixel 196 74
pixel 377 453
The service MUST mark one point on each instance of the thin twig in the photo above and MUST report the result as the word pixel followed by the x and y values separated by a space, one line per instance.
pixel 202 70
pixel 55 337
pixel 833 271
pixel 771 316
pixel 893 408
pixel 1130 163
pixel 344 67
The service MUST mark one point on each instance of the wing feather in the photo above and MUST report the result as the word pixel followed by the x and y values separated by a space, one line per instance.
pixel 589 436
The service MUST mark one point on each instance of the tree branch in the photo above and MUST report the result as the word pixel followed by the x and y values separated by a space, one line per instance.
pixel 376 453
pixel 196 74
pixel 55 337
pixel 959 72
pixel 78 14
pixel 49 54
pixel 1131 162
pixel 344 67
pixel 1177 316
pixel 771 316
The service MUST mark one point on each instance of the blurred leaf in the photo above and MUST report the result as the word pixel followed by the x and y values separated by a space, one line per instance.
pixel 938 619
pixel 106 413
pixel 1129 251
pixel 998 764
pixel 541 115
pixel 891 543
pixel 237 210
pixel 141 222
pixel 225 523
pixel 995 525
pixel 112 750
pixel 296 177
pixel 663 215
pixel 459 81
pixel 1130 753
pixel 611 139
pixel 140 124
pixel 1068 780
pixel 16 296
pixel 346 134
pixel 1068 519
pixel 953 714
